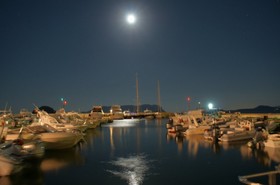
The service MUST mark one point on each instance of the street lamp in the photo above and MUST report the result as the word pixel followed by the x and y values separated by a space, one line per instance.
pixel 210 106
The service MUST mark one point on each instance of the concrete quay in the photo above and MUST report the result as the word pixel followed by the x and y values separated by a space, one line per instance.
pixel 254 115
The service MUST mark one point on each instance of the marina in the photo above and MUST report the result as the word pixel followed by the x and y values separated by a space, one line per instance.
pixel 140 92
pixel 141 151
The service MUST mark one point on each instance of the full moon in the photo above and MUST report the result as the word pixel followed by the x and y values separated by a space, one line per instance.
pixel 131 19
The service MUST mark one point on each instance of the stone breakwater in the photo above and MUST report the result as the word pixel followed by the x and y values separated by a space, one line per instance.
pixel 254 115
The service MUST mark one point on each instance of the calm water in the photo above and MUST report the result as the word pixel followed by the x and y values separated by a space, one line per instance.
pixel 140 152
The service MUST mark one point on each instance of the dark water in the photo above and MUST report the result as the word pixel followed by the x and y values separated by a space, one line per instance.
pixel 140 152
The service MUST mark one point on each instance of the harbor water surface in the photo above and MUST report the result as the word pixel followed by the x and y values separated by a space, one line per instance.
pixel 138 152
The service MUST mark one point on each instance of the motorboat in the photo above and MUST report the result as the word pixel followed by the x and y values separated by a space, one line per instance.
pixel 54 139
pixel 17 147
pixel 213 133
pixel 273 141
pixel 8 165
pixel 49 136
pixel 116 112
pixel 96 112
pixel 172 128
pixel 45 118
pixel 242 130
pixel 237 135
pixel 196 128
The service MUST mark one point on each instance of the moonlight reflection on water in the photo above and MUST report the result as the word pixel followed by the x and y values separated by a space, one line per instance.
pixel 133 169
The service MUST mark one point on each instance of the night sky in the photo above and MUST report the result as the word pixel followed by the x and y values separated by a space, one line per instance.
pixel 224 52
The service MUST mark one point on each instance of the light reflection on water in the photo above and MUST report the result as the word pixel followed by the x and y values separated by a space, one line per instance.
pixel 133 169
pixel 123 123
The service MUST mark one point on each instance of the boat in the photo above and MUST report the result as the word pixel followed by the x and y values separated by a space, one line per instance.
pixel 68 118
pixel 45 118
pixel 196 128
pixel 148 114
pixel 116 112
pixel 172 128
pixel 8 165
pixel 159 114
pixel 213 133
pixel 241 130
pixel 273 141
pixel 16 146
pixel 54 139
pixel 237 136
pixel 50 137
pixel 96 112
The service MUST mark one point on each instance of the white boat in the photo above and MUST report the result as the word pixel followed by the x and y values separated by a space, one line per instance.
pixel 116 112
pixel 54 139
pixel 21 149
pixel 49 136
pixel 96 117
pixel 17 146
pixel 68 117
pixel 8 166
pixel 96 112
pixel 195 128
pixel 45 118
pixel 273 141
pixel 237 136
pixel 242 130
pixel 213 133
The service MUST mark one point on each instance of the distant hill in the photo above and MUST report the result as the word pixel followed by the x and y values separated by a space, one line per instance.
pixel 46 108
pixel 259 109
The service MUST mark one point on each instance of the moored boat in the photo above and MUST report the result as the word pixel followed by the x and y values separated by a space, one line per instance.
pixel 49 136
pixel 54 139
pixel 116 112
pixel 237 135
pixel 242 130
pixel 45 118
pixel 8 165
pixel 273 141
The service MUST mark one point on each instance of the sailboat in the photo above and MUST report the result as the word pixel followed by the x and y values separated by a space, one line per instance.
pixel 158 114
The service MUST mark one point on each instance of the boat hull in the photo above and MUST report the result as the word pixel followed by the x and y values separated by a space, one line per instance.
pixel 59 140
pixel 237 136
pixel 273 141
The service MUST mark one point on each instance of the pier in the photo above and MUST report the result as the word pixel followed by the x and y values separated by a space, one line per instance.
pixel 254 115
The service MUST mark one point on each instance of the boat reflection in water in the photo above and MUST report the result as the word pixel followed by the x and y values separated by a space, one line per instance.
pixel 123 123
pixel 56 160
pixel 132 169
pixel 266 156
pixel 193 143
pixel 33 171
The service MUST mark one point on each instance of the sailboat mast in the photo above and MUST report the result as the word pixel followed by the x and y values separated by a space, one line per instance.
pixel 158 90
pixel 137 96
